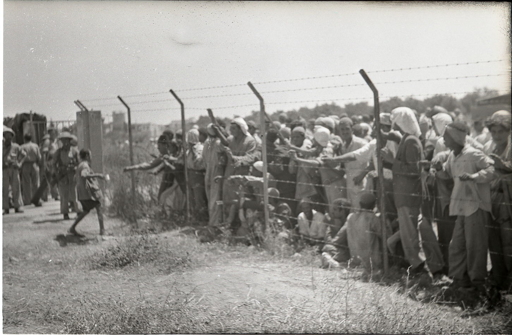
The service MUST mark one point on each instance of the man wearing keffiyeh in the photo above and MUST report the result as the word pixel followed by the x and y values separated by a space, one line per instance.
pixel 408 195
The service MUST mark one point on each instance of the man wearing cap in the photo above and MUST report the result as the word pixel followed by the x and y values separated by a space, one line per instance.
pixel 472 171
pixel 65 164
pixel 500 230
pixel 241 154
pixel 30 169
pixel 48 147
pixel 12 159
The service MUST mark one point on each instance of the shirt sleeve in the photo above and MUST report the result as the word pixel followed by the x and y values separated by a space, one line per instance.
pixel 250 153
pixel 21 154
pixel 484 167
pixel 446 172
pixel 364 153
pixel 85 172
pixel 148 166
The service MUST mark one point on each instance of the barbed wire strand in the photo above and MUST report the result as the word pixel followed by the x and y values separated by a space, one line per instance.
pixel 301 79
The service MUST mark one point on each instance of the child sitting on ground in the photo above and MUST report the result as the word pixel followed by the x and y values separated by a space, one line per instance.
pixel 335 249
pixel 88 191
pixel 364 235
pixel 251 186
pixel 310 224
pixel 252 216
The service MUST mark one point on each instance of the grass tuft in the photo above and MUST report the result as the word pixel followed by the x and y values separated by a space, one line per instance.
pixel 139 250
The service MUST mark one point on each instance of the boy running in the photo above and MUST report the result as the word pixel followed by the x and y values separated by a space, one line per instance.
pixel 88 191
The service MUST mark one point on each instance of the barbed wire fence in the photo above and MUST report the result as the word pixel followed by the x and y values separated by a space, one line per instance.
pixel 151 104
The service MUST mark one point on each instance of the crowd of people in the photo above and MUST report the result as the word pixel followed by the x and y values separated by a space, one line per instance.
pixel 447 189
pixel 55 168
pixel 446 197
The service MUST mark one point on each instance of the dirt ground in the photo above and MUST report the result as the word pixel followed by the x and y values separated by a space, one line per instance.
pixel 46 279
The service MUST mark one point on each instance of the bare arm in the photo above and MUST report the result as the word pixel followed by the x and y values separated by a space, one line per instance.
pixel 307 162
pixel 145 166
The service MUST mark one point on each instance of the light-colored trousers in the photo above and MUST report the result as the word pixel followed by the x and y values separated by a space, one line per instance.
pixel 67 191
pixel 213 195
pixel 468 248
pixel 410 237
pixel 29 181
pixel 11 178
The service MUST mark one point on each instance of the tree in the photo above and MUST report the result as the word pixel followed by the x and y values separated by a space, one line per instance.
pixel 470 99
pixel 388 105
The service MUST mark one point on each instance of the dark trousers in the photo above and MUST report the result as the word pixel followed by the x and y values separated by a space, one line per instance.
pixel 445 226
pixel 500 243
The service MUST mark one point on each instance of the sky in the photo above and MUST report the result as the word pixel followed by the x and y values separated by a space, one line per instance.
pixel 295 53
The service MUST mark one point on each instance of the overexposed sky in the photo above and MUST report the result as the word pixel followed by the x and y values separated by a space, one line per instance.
pixel 58 52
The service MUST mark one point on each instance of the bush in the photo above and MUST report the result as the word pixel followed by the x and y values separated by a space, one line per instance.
pixel 141 249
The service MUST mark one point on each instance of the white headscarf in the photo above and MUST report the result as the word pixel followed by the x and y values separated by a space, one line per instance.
pixel 441 120
pixel 322 135
pixel 193 136
pixel 404 117
pixel 242 124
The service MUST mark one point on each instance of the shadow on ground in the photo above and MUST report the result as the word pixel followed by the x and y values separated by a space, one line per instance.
pixel 64 240
pixel 51 221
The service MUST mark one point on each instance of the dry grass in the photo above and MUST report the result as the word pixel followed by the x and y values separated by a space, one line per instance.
pixel 157 291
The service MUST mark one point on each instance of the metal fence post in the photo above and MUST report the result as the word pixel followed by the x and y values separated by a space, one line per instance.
pixel 380 168
pixel 184 141
pixel 130 141
pixel 264 152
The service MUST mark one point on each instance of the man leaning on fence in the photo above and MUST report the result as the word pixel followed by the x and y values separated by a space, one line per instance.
pixel 408 195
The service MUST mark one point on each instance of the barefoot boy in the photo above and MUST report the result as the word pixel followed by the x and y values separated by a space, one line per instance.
pixel 88 191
